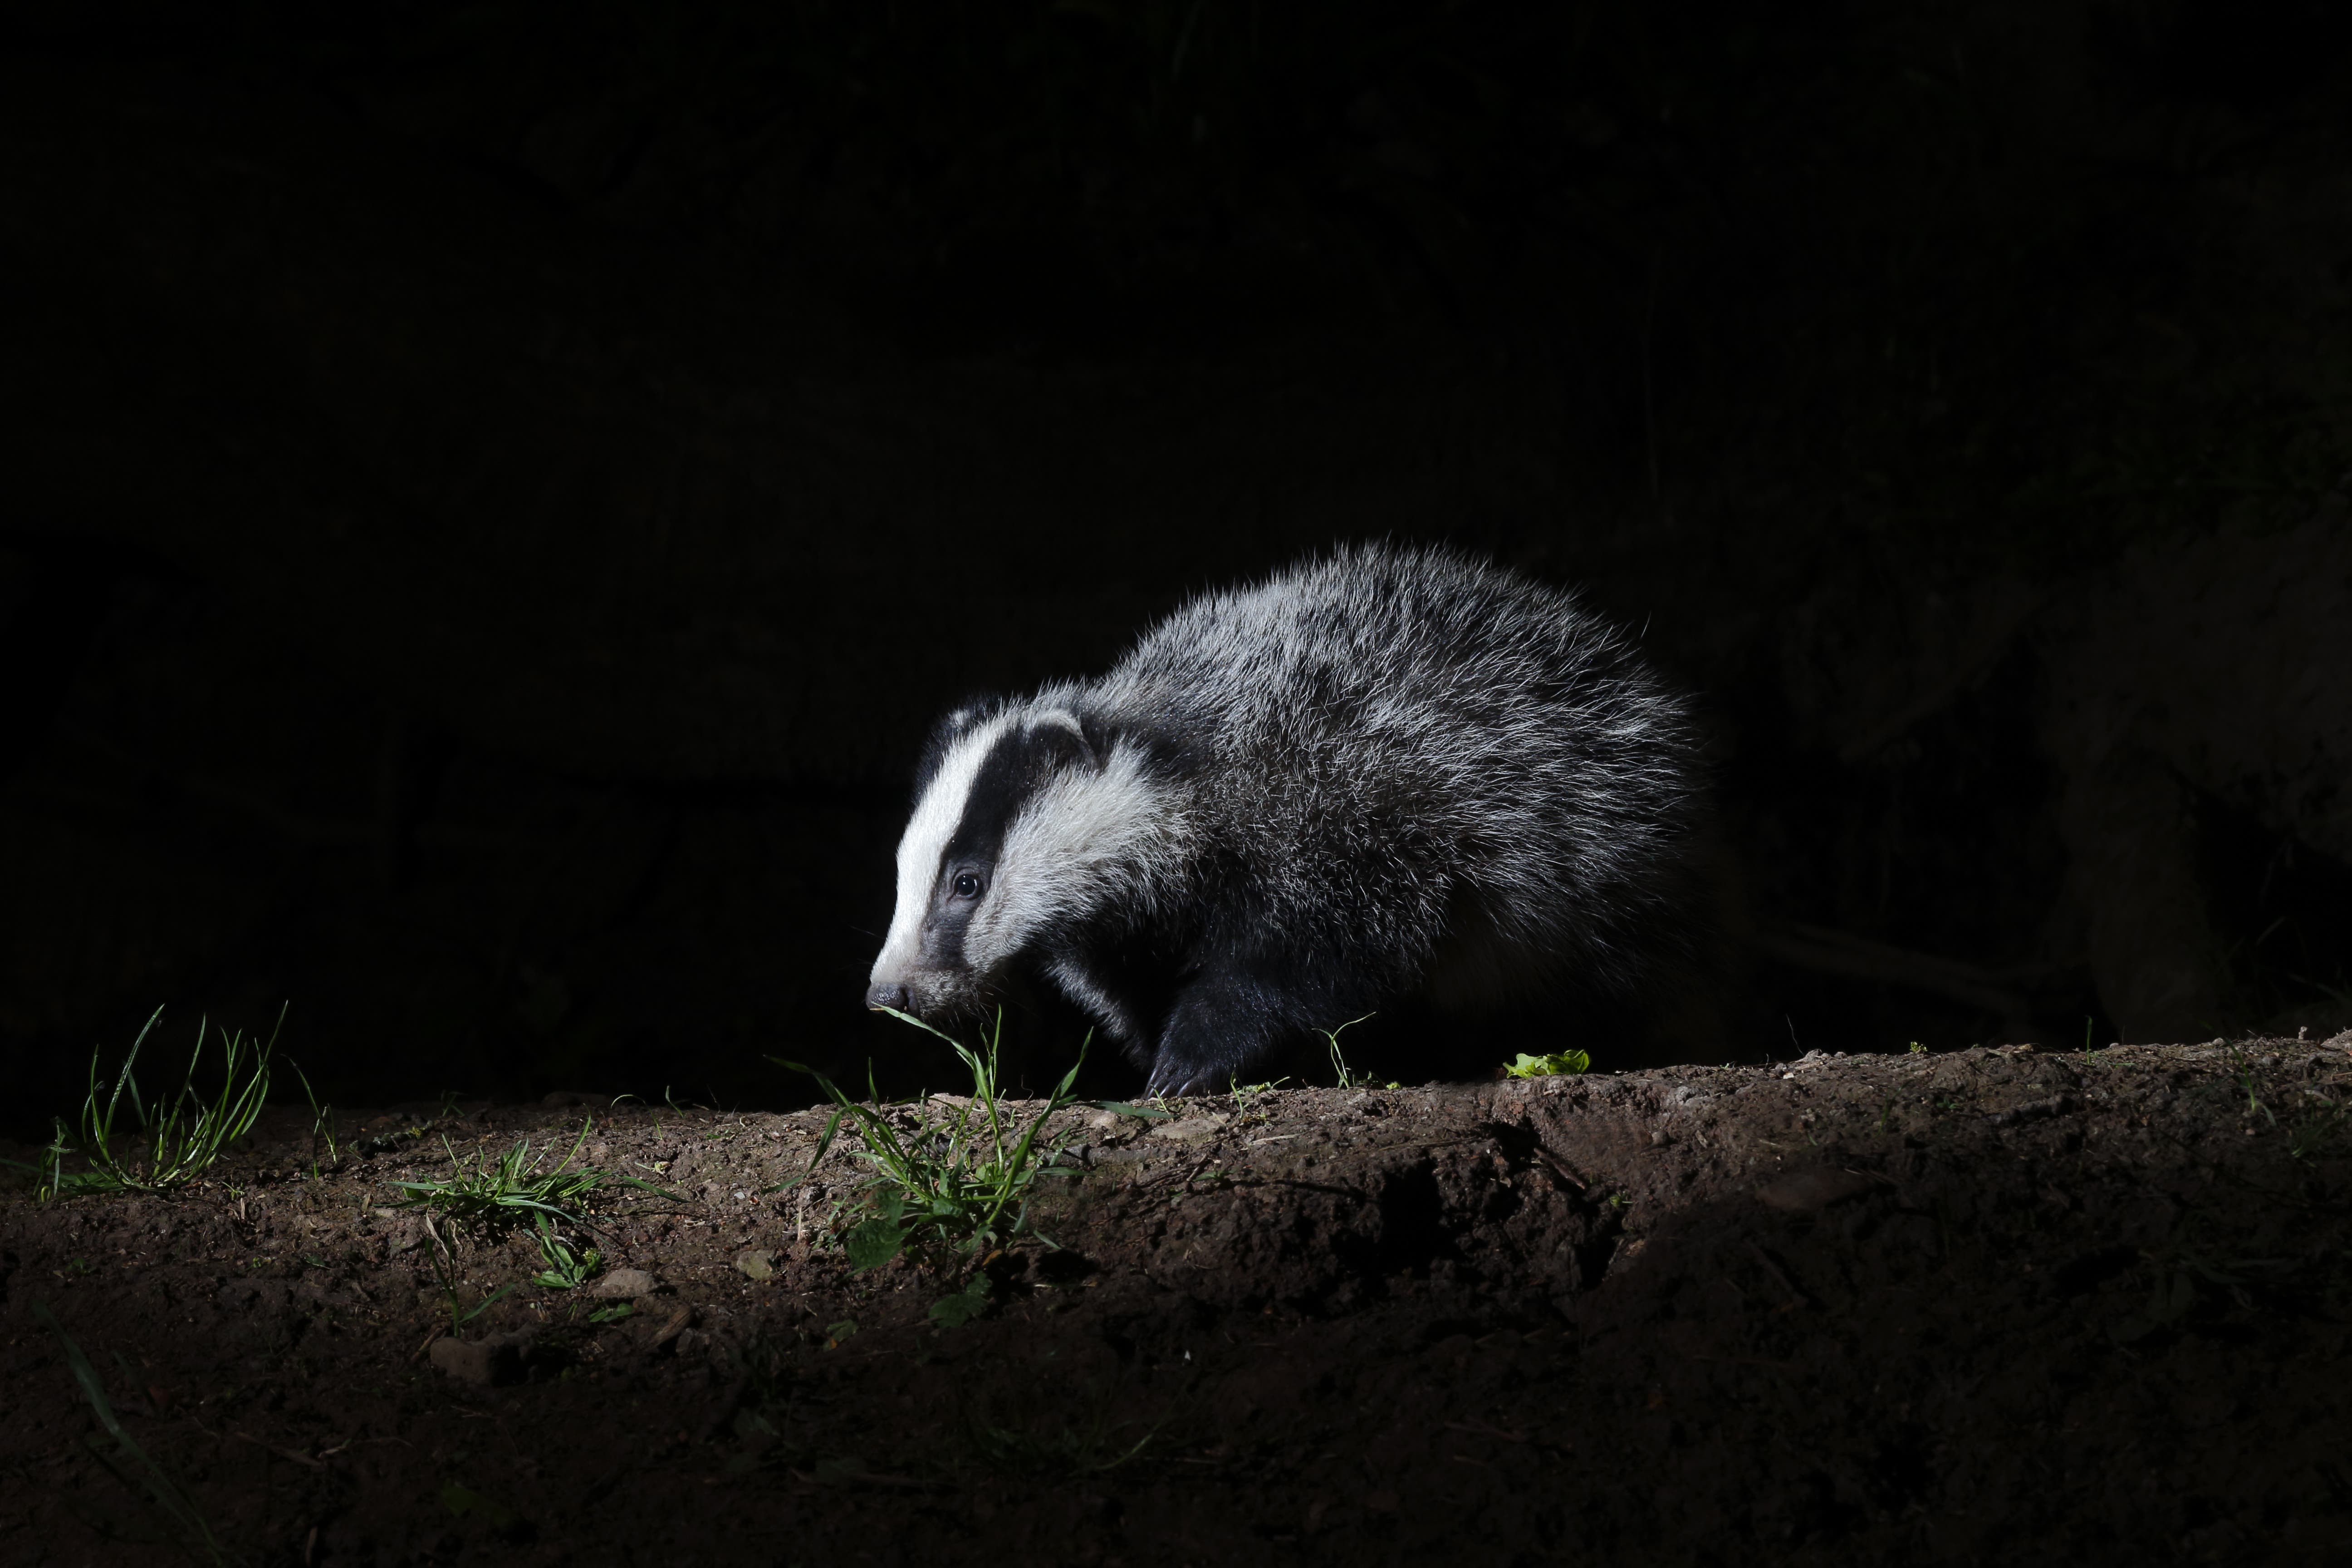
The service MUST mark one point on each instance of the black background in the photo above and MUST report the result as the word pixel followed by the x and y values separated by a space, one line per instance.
pixel 495 495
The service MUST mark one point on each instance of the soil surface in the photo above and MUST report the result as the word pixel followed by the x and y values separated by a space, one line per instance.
pixel 1997 1306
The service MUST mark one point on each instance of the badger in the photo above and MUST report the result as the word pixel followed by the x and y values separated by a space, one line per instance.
pixel 1385 772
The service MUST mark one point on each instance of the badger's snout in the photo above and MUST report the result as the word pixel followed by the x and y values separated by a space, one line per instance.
pixel 932 994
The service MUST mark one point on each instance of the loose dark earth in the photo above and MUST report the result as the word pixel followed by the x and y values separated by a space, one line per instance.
pixel 1999 1306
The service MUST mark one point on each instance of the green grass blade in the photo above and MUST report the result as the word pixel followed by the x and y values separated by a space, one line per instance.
pixel 97 1127
pixel 168 1496
pixel 137 1110
pixel 577 1144
pixel 910 1018
pixel 1057 1102
pixel 485 1304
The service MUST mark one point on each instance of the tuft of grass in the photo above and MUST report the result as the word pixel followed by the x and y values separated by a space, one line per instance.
pixel 1558 1064
pixel 947 1189
pixel 566 1269
pixel 132 1463
pixel 486 1197
pixel 1247 1095
pixel 173 1143
pixel 1036 1436
pixel 322 1125
pixel 1069 1450
pixel 1348 1078
pixel 2242 1068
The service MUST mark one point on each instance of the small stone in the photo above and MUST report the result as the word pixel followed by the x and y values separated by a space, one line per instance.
pixel 756 1265
pixel 626 1283
pixel 1801 1191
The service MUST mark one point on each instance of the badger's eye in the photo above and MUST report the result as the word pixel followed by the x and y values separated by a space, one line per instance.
pixel 967 885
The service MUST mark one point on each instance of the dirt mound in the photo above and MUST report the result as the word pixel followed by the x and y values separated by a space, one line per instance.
pixel 1991 1306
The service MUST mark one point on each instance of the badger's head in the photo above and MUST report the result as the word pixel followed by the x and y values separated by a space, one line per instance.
pixel 1027 818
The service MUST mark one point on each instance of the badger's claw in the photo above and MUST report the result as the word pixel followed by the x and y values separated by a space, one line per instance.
pixel 1171 1081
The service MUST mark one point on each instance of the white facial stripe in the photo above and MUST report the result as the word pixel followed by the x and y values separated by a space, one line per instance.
pixel 1085 835
pixel 926 839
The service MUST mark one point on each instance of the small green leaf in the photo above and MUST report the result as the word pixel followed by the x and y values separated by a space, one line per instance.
pixel 873 1243
pixel 1558 1064
pixel 955 1311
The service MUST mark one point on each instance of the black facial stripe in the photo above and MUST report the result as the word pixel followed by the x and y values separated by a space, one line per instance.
pixel 1005 778
pixel 1019 763
pixel 952 726
pixel 943 933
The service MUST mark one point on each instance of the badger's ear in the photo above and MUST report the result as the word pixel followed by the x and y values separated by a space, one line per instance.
pixel 1069 740
pixel 1098 736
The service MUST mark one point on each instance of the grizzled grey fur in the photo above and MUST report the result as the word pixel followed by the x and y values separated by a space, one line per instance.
pixel 1382 774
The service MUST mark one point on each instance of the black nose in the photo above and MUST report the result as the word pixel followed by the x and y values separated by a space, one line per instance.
pixel 889 994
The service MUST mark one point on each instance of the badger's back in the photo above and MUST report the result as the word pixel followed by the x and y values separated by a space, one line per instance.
pixel 1440 771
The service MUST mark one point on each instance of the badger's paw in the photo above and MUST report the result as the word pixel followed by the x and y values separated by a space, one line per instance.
pixel 1173 1079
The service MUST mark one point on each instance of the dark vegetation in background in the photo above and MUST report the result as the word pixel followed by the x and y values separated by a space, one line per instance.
pixel 496 493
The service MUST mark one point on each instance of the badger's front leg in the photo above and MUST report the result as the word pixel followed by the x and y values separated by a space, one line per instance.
pixel 1230 1015
pixel 1213 1032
